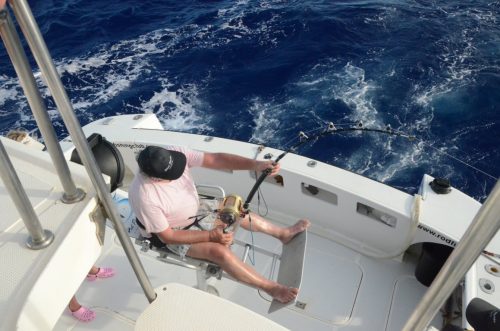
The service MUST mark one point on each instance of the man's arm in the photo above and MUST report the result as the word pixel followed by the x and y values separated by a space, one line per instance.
pixel 2 4
pixel 236 162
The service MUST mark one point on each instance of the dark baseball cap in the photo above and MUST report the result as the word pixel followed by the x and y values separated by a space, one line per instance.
pixel 159 162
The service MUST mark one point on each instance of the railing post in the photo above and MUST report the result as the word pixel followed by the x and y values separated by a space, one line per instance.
pixel 21 65
pixel 39 238
pixel 39 49
pixel 483 228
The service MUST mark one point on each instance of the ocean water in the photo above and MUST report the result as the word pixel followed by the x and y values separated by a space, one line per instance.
pixel 262 71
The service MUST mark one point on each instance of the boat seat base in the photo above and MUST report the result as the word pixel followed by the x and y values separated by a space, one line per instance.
pixel 204 268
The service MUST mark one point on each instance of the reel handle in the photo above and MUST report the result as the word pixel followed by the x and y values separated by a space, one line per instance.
pixel 226 229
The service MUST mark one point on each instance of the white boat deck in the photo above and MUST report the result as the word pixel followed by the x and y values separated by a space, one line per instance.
pixel 342 289
pixel 338 287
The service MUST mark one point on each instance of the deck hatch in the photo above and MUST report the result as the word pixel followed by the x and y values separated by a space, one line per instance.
pixel 376 214
pixel 319 193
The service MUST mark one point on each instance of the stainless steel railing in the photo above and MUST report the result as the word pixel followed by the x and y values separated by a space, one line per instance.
pixel 21 65
pixel 39 238
pixel 42 57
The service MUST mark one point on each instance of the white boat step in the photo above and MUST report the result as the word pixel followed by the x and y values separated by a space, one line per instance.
pixel 29 277
pixel 180 307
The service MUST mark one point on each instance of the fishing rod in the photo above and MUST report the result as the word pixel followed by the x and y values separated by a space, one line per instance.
pixel 303 138
pixel 233 206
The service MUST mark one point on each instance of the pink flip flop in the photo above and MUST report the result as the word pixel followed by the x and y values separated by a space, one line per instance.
pixel 101 273
pixel 83 314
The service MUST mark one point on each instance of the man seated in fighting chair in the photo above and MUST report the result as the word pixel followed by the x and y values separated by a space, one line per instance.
pixel 164 199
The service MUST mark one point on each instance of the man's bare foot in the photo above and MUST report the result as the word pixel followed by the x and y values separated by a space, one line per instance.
pixel 282 293
pixel 293 230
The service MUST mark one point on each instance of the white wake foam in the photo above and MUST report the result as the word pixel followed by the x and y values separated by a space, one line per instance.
pixel 178 108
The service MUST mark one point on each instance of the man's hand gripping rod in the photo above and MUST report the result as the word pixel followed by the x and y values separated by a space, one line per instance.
pixel 303 138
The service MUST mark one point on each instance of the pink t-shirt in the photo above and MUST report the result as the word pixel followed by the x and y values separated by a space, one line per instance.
pixel 160 204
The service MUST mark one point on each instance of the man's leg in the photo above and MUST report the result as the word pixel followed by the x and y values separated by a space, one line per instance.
pixel 259 224
pixel 231 264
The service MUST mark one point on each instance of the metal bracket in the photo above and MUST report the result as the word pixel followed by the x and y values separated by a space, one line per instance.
pixel 145 246
pixel 3 15
pixel 300 304
pixel 213 270
pixel 98 216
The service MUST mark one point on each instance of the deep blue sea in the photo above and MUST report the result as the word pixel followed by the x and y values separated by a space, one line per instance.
pixel 262 71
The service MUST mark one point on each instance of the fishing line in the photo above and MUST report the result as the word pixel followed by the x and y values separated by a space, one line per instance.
pixel 251 258
pixel 260 196
pixel 458 160
pixel 358 126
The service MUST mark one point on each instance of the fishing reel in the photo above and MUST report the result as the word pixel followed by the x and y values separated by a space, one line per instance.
pixel 231 209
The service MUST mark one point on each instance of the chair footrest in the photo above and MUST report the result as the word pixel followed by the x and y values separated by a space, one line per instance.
pixel 291 267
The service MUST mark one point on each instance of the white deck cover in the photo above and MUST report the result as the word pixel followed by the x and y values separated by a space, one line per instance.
pixel 179 307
